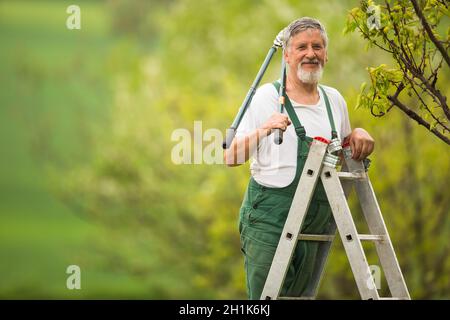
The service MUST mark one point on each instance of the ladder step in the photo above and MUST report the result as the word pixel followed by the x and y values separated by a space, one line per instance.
pixel 371 237
pixel 316 237
pixel 351 175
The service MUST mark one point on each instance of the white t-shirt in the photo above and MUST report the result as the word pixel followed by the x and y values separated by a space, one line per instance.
pixel 274 165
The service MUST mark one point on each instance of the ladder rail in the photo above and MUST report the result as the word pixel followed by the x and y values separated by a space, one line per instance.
pixel 385 250
pixel 297 212
pixel 324 249
pixel 349 234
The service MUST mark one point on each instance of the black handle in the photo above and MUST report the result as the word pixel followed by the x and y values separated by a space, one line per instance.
pixel 231 132
pixel 278 136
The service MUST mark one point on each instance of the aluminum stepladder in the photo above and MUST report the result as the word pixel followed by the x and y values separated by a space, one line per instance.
pixel 321 163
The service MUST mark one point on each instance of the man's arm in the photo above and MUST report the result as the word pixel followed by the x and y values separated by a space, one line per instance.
pixel 241 148
pixel 361 143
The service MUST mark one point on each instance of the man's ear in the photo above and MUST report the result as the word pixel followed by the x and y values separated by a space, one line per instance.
pixel 286 55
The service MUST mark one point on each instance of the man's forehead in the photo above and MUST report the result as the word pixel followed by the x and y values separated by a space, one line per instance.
pixel 308 35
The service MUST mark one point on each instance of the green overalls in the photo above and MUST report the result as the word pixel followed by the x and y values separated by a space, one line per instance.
pixel 262 216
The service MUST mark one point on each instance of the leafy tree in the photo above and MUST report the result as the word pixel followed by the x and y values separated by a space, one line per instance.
pixel 412 32
pixel 174 227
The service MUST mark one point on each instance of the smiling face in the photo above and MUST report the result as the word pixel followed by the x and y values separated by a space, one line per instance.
pixel 306 55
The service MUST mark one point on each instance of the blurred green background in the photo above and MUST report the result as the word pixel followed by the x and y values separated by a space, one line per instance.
pixel 86 175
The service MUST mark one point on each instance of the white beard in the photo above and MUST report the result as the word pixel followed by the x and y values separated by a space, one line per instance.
pixel 309 77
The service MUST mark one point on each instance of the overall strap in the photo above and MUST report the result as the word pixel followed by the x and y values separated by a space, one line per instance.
pixel 299 129
pixel 330 114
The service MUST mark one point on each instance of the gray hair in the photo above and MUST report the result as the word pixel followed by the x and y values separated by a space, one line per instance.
pixel 303 24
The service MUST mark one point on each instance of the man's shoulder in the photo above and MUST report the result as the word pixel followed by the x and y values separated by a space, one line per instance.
pixel 331 91
pixel 266 94
pixel 334 94
pixel 265 101
pixel 268 88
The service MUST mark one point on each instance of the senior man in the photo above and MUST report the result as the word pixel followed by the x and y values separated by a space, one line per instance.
pixel 310 110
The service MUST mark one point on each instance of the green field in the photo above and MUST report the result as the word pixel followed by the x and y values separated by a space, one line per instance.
pixel 55 90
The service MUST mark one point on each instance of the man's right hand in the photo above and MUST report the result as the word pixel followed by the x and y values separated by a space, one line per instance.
pixel 241 148
pixel 276 121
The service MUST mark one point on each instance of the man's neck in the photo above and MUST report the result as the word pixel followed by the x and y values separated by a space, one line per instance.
pixel 300 91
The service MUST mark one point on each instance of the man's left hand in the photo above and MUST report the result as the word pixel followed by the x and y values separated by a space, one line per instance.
pixel 361 143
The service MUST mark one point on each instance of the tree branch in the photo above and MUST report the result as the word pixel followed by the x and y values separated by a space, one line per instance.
pixel 428 109
pixel 432 91
pixel 408 57
pixel 394 99
pixel 427 28
pixel 413 84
